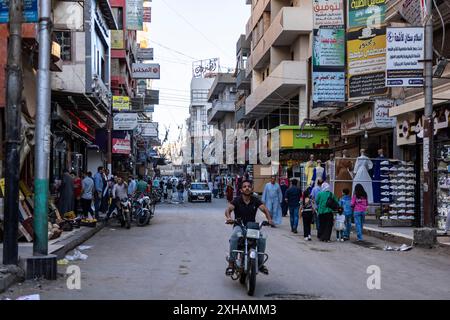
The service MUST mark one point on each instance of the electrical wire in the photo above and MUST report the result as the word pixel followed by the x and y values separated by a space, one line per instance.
pixel 443 27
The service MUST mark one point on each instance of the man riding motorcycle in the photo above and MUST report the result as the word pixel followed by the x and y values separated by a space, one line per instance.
pixel 245 208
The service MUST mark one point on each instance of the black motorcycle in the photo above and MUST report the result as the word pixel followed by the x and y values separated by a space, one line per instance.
pixel 246 264
pixel 144 210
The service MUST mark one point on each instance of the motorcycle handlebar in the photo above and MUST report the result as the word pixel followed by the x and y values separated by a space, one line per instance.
pixel 239 222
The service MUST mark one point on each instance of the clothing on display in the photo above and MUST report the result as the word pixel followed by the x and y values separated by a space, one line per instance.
pixel 362 166
pixel 309 171
pixel 318 173
pixel 398 186
pixel 343 176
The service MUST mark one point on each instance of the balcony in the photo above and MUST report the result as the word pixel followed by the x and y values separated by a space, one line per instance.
pixel 239 116
pixel 257 12
pixel 242 81
pixel 284 81
pixel 219 109
pixel 221 82
pixel 290 23
pixel 242 45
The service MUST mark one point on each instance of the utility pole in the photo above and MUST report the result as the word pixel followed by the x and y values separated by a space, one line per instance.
pixel 428 145
pixel 42 148
pixel 109 125
pixel 13 117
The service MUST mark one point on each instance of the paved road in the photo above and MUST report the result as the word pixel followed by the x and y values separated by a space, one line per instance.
pixel 181 255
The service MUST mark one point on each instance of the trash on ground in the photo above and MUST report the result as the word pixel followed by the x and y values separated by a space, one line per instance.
pixel 30 297
pixel 63 262
pixel 77 256
pixel 81 248
pixel 403 247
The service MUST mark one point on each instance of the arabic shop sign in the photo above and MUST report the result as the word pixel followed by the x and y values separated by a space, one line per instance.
pixel 293 137
pixel 405 48
pixel 30 11
pixel 146 71
pixel 135 14
pixel 328 13
pixel 329 87
pixel 329 47
pixel 121 103
pixel 364 13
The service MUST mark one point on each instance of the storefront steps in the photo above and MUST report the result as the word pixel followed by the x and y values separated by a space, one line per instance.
pixel 58 247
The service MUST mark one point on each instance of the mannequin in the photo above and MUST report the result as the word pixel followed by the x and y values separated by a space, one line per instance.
pixel 330 168
pixel 343 174
pixel 318 173
pixel 309 169
pixel 362 167
pixel 377 176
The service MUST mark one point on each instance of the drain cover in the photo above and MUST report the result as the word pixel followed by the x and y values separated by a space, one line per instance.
pixel 292 296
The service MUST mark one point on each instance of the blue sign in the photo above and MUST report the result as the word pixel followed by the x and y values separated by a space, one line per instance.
pixel 30 11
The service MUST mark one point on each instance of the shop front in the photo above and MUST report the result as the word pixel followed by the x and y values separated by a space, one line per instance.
pixel 296 147
pixel 410 140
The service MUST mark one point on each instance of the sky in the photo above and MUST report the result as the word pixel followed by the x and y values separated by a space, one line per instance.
pixel 182 32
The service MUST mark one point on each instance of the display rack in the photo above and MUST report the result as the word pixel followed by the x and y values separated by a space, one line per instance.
pixel 398 201
pixel 443 188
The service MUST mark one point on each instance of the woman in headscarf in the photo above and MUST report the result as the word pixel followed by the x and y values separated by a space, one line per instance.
pixel 325 213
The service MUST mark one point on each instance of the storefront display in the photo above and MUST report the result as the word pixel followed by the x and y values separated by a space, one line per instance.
pixel 398 199
pixel 443 187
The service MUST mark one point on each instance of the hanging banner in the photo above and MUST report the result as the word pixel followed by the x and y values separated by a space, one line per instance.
pixel 117 39
pixel 125 121
pixel 135 14
pixel 148 129
pixel 329 87
pixel 366 61
pixel 121 103
pixel 121 146
pixel 405 48
pixel 328 13
pixel 366 13
pixel 413 11
pixel 329 47
pixel 30 11
pixel 328 70
pixel 145 71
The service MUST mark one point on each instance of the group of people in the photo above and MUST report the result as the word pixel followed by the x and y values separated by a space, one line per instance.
pixel 317 205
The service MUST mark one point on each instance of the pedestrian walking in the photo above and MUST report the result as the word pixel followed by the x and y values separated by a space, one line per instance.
pixel 307 213
pixel 340 226
pixel 87 194
pixel 284 204
pixel 66 199
pixel 169 188
pixel 76 192
pixel 327 203
pixel 314 192
pixel 346 205
pixel 180 190
pixel 98 185
pixel 216 188
pixel 359 205
pixel 272 198
pixel 292 200
pixel 230 192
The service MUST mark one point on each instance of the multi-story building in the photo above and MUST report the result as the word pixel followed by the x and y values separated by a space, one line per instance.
pixel 279 31
pixel 197 124
pixel 81 93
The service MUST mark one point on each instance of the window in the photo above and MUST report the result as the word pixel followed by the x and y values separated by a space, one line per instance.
pixel 204 127
pixel 118 14
pixel 64 39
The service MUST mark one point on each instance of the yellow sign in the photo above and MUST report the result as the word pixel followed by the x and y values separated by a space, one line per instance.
pixel 117 41
pixel 367 55
pixel 121 103
pixel 2 186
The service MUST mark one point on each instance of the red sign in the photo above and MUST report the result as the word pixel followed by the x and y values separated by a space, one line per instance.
pixel 82 126
pixel 121 146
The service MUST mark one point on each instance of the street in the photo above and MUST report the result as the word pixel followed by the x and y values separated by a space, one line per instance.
pixel 181 255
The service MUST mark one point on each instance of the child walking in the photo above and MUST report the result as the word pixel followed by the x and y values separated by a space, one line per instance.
pixel 359 205
pixel 340 226
pixel 307 214
pixel 346 205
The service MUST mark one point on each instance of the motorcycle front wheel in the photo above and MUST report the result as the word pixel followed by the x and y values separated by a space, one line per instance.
pixel 251 277
pixel 127 219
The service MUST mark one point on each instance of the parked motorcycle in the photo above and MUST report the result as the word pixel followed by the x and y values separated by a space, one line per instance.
pixel 123 213
pixel 144 210
pixel 246 264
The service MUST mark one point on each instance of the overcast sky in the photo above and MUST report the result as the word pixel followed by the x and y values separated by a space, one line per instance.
pixel 185 31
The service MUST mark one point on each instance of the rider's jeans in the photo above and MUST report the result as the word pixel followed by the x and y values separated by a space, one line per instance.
pixel 234 239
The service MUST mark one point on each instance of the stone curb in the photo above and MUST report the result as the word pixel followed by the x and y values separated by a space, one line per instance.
pixel 8 279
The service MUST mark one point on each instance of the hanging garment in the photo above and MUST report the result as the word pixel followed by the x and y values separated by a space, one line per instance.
pixel 318 173
pixel 343 177
pixel 309 171
pixel 362 167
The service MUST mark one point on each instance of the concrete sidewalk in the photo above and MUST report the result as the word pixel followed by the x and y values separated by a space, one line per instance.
pixel 59 247
pixel 401 235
